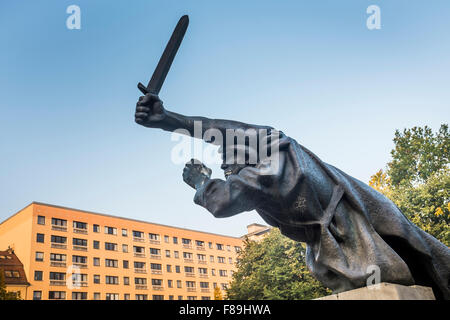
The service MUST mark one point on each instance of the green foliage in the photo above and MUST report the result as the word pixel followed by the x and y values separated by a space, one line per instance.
pixel 274 269
pixel 5 295
pixel 417 179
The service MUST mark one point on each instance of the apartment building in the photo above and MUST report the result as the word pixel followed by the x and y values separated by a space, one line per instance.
pixel 79 255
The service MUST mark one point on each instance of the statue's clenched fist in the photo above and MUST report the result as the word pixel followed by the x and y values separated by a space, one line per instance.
pixel 196 173
pixel 149 110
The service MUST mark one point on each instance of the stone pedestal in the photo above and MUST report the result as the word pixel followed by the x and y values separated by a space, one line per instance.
pixel 384 291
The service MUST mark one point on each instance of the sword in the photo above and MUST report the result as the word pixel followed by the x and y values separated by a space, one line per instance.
pixel 160 73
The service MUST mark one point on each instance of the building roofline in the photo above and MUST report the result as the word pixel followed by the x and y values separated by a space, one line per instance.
pixel 117 217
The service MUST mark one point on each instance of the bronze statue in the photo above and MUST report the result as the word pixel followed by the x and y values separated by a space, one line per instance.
pixel 347 225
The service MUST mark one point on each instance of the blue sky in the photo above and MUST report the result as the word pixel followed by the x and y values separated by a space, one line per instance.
pixel 309 68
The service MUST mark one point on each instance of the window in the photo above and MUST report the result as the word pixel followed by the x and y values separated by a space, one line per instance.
pixel 79 279
pixel 228 248
pixel 40 237
pixel 187 255
pixel 189 269
pixel 37 275
pixel 96 295
pixel 57 295
pixel 180 297
pixel 204 285
pixel 59 222
pixel 158 297
pixel 110 230
pixel 79 242
pixel 37 295
pixel 12 274
pixel 96 261
pixel 213 272
pixel 96 244
pixel 186 242
pixel 223 273
pixel 125 248
pixel 111 263
pixel 210 245
pixel 126 281
pixel 110 246
pixel 79 259
pixel 169 268
pixel 221 259
pixel 202 271
pixel 96 228
pixel 112 296
pixel 140 281
pixel 141 297
pixel 166 239
pixel 170 283
pixel 139 251
pixel 178 283
pixel 171 297
pixel 201 257
pixel 155 252
pixel 155 266
pixel 57 276
pixel 40 220
pixel 39 256
pixel 125 264
pixel 167 253
pixel 177 269
pixel 58 239
pixel 79 295
pixel 80 225
pixel 154 237
pixel 237 249
pixel 190 284
pixel 111 280
pixel 124 233
pixel 199 243
pixel 126 296
pixel 211 258
pixel 175 240
pixel 96 278
pixel 176 254
pixel 57 257
pixel 141 265
pixel 219 246
pixel 192 298
pixel 138 234
pixel 230 260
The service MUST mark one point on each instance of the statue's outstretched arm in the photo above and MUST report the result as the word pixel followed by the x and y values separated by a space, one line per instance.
pixel 151 113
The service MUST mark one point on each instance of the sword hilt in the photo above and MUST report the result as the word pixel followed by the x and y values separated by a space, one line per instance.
pixel 142 88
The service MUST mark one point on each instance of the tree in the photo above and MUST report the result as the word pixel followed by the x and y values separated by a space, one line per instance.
pixel 417 179
pixel 217 294
pixel 5 295
pixel 273 268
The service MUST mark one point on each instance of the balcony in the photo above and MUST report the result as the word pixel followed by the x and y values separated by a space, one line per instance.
pixel 140 270
pixel 201 261
pixel 205 290
pixel 81 265
pixel 57 282
pixel 187 246
pixel 138 239
pixel 154 271
pixel 189 274
pixel 155 241
pixel 191 289
pixel 79 284
pixel 187 260
pixel 57 264
pixel 155 256
pixel 80 248
pixel 139 254
pixel 141 287
pixel 58 245
pixel 157 288
pixel 201 248
pixel 80 231
pixel 59 228
pixel 203 275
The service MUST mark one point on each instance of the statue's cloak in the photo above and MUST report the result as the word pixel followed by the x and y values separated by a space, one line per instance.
pixel 351 230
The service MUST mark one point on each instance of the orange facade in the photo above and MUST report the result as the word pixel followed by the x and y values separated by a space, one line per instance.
pixel 74 254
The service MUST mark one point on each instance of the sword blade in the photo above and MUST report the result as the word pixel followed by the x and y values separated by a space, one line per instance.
pixel 160 73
